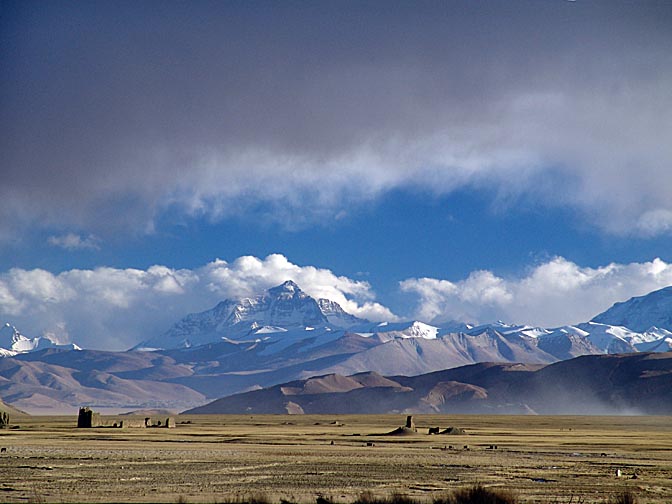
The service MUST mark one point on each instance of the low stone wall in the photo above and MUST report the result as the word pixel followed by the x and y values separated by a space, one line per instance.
pixel 132 423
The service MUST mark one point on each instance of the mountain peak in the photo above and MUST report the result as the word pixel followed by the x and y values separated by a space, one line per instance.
pixel 282 307
pixel 288 286
pixel 10 335
pixel 12 342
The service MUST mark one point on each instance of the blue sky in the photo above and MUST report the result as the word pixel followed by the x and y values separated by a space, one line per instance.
pixel 440 160
pixel 396 236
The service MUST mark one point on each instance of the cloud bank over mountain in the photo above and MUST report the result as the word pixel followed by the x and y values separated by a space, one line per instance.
pixel 298 112
pixel 553 293
pixel 109 308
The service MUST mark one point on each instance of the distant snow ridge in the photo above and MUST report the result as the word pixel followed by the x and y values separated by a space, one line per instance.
pixel 584 339
pixel 285 316
pixel 12 342
pixel 280 317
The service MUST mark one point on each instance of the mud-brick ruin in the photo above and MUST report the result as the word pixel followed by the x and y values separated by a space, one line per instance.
pixel 4 420
pixel 88 418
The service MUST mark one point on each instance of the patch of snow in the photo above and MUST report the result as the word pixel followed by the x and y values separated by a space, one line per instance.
pixel 534 332
pixel 147 349
pixel 422 330
pixel 571 330
pixel 270 330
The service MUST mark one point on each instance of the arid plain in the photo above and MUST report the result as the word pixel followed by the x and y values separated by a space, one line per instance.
pixel 218 458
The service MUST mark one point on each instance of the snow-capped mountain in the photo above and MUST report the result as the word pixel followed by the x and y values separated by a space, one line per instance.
pixel 282 313
pixel 281 317
pixel 642 312
pixel 387 331
pixel 12 342
pixel 584 339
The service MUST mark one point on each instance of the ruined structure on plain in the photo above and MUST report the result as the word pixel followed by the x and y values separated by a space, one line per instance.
pixel 89 418
pixel 168 423
pixel 4 420
pixel 405 430
pixel 455 431
pixel 132 423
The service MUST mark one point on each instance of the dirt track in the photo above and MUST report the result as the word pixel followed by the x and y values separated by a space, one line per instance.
pixel 218 458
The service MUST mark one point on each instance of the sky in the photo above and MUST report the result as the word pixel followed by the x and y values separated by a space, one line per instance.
pixel 454 160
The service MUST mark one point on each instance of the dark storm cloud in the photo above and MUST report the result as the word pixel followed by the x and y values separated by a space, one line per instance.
pixel 113 112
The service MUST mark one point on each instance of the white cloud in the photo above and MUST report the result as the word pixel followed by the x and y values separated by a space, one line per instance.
pixel 72 241
pixel 554 293
pixel 109 308
pixel 467 300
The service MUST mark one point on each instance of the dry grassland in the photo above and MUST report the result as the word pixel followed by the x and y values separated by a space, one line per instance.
pixel 225 458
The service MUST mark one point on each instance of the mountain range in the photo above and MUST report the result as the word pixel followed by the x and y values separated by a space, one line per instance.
pixel 638 383
pixel 284 334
